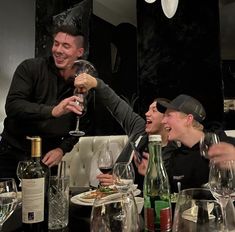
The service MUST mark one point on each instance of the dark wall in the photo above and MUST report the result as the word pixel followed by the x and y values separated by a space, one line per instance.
pixel 112 49
pixel 181 54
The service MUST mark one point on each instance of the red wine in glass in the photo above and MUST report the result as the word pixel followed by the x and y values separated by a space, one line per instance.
pixel 106 170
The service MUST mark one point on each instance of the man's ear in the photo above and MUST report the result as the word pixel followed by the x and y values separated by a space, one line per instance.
pixel 80 52
pixel 190 119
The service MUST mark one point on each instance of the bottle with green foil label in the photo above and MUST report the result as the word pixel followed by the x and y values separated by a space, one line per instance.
pixel 157 206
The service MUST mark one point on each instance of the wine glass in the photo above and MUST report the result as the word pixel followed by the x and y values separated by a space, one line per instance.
pixel 8 199
pixel 105 160
pixel 124 176
pixel 81 66
pixel 197 210
pixel 206 141
pixel 107 215
pixel 82 103
pixel 222 185
pixel 21 168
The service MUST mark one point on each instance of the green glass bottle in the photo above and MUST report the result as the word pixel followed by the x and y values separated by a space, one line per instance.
pixel 157 205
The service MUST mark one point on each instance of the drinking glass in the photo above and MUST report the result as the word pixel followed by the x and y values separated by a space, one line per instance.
pixel 82 103
pixel 8 199
pixel 21 168
pixel 82 66
pixel 222 185
pixel 197 210
pixel 206 141
pixel 107 215
pixel 105 160
pixel 124 176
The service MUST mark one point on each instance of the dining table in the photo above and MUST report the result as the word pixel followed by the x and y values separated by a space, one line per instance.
pixel 79 216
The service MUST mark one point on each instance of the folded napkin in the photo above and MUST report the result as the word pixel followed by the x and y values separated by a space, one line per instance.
pixel 191 214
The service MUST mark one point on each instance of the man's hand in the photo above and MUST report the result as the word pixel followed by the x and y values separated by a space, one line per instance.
pixel 67 105
pixel 85 82
pixel 53 157
pixel 221 152
pixel 143 165
pixel 105 179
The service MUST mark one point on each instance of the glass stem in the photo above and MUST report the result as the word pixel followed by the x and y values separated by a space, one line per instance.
pixel 223 203
pixel 77 125
pixel 1 224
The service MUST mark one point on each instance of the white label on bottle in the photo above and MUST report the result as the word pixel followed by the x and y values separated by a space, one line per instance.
pixel 33 200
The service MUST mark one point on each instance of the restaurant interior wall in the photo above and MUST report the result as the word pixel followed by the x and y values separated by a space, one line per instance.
pixel 181 54
pixel 17 23
pixel 112 49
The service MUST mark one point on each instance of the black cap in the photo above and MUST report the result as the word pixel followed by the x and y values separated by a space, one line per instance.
pixel 185 104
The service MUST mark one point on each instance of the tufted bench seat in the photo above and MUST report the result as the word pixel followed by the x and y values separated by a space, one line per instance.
pixel 80 158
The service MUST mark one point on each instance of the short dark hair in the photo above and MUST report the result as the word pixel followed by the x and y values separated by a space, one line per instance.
pixel 68 29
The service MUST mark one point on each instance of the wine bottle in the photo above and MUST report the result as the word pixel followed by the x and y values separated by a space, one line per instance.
pixel 35 181
pixel 157 206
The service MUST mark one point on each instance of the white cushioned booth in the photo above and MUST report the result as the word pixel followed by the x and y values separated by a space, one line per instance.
pixel 84 153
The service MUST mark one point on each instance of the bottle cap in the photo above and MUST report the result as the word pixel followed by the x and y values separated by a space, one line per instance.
pixel 155 138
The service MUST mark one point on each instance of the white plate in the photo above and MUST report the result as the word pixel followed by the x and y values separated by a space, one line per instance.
pixel 79 200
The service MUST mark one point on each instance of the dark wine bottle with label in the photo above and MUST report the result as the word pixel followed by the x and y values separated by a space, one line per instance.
pixel 35 181
pixel 157 206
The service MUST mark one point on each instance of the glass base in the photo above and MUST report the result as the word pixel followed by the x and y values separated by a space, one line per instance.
pixel 77 133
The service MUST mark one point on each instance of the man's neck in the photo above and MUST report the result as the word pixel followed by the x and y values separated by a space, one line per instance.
pixel 164 135
pixel 194 138
pixel 66 73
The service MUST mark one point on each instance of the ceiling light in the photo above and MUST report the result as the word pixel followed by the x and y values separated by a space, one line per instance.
pixel 150 1
pixel 169 7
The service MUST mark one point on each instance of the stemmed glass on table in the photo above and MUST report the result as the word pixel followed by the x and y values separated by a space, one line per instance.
pixel 8 199
pixel 21 168
pixel 221 177
pixel 119 214
pixel 124 176
pixel 82 66
pixel 197 210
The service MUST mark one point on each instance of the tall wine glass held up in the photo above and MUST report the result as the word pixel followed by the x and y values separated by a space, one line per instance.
pixel 81 66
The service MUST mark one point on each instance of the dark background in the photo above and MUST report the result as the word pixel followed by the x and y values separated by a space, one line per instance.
pixel 160 57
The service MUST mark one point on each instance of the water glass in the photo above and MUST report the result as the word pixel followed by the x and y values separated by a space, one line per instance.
pixel 58 202
pixel 119 214
pixel 197 210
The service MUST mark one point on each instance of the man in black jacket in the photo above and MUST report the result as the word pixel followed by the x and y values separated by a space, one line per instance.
pixel 40 102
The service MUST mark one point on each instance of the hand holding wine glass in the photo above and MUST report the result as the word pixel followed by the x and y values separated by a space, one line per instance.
pixel 8 199
pixel 105 160
pixel 207 141
pixel 81 66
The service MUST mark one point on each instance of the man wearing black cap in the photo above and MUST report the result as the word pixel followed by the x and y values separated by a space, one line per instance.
pixel 183 118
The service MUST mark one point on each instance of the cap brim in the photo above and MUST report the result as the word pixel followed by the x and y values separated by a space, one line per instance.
pixel 162 106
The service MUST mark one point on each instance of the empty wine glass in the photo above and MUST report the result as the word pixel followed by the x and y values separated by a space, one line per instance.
pixel 222 185
pixel 21 168
pixel 197 210
pixel 81 66
pixel 206 141
pixel 8 199
pixel 107 215
pixel 82 103
pixel 124 176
